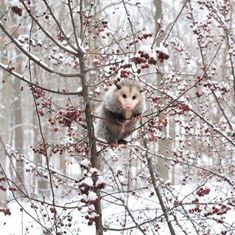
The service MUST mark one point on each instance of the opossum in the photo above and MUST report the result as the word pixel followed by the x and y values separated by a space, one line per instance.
pixel 119 111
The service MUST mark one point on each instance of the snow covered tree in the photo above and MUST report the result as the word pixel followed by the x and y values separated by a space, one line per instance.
pixel 176 176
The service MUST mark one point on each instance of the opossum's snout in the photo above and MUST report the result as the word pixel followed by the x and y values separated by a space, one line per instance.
pixel 128 106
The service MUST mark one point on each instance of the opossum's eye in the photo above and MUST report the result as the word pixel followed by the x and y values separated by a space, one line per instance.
pixel 124 96
pixel 134 97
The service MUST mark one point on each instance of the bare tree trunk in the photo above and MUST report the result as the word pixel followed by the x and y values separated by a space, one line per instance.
pixel 4 113
pixel 18 131
pixel 4 130
pixel 2 163
pixel 163 144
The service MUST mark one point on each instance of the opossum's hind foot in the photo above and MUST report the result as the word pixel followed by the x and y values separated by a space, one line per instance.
pixel 122 142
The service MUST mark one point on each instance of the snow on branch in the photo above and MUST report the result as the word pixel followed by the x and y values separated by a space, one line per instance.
pixel 184 162
pixel 60 45
pixel 35 58
pixel 181 99
pixel 58 25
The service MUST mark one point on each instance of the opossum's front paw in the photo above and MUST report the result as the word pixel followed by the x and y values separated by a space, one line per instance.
pixel 116 143
pixel 137 117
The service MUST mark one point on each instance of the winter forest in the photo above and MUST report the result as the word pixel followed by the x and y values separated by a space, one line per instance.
pixel 176 174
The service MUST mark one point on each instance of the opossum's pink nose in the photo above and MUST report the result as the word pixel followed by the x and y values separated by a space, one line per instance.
pixel 128 107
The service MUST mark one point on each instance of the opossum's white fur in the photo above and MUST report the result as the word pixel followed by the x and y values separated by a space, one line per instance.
pixel 115 122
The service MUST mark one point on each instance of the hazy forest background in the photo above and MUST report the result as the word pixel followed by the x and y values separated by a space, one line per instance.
pixel 177 175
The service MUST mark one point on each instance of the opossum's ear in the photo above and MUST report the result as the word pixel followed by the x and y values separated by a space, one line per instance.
pixel 117 85
pixel 142 90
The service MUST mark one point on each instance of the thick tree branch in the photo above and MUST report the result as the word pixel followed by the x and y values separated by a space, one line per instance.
pixel 157 191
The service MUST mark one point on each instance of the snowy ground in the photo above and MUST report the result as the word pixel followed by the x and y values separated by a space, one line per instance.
pixel 19 223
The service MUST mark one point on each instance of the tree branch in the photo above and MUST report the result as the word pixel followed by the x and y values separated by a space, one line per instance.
pixel 35 58
pixel 22 78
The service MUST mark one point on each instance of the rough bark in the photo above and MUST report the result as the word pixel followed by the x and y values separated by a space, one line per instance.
pixel 91 140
